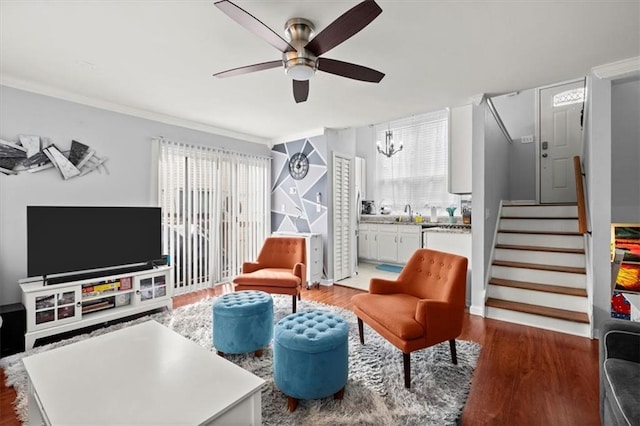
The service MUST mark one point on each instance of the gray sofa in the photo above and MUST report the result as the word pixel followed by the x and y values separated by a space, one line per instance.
pixel 620 373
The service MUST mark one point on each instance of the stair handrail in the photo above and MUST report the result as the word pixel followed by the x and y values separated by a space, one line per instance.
pixel 582 210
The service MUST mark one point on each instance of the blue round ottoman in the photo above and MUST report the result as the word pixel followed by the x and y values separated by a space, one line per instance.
pixel 242 322
pixel 310 356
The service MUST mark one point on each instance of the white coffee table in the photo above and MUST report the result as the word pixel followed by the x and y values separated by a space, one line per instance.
pixel 144 374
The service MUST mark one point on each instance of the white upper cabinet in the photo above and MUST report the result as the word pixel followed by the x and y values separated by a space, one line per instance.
pixel 460 136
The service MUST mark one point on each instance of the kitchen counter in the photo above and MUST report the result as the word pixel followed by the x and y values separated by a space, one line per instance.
pixel 443 226
pixel 448 228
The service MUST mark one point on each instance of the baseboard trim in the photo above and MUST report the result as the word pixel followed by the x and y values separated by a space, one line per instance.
pixel 477 310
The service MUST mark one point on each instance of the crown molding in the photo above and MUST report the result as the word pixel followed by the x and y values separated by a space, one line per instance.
pixel 297 136
pixel 618 69
pixel 46 90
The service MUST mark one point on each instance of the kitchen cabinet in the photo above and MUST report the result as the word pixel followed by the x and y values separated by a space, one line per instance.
pixel 367 244
pixel 408 241
pixel 389 243
pixel 460 138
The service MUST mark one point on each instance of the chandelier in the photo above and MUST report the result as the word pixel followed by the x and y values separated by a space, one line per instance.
pixel 389 147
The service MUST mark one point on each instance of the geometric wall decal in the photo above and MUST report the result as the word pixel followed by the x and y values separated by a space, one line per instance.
pixel 315 158
pixel 299 198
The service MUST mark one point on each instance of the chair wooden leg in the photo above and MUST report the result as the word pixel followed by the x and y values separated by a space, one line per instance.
pixel 339 394
pixel 454 356
pixel 293 309
pixel 361 331
pixel 259 353
pixel 220 353
pixel 299 296
pixel 292 404
pixel 406 360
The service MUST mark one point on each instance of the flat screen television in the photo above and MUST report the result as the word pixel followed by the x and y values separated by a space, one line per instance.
pixel 70 239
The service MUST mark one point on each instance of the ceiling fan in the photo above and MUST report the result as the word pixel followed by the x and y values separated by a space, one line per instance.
pixel 301 54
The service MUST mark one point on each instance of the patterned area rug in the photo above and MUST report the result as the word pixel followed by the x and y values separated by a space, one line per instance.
pixel 374 395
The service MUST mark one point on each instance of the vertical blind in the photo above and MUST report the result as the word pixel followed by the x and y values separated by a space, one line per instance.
pixel 417 175
pixel 215 211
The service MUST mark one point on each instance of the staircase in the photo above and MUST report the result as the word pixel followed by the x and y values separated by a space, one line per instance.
pixel 538 274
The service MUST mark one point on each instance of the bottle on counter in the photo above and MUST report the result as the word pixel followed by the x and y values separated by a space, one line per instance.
pixel 434 214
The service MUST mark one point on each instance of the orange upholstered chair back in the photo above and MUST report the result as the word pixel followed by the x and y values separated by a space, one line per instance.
pixel 282 252
pixel 436 275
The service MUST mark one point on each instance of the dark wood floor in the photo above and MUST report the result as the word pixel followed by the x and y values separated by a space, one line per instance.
pixel 525 376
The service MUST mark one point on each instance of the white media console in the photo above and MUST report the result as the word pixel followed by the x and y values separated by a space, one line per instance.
pixel 58 308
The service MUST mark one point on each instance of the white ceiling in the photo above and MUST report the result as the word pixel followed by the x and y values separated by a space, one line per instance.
pixel 156 58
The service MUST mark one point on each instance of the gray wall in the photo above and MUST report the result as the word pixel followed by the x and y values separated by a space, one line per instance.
pixel 625 151
pixel 518 115
pixel 123 139
pixel 496 178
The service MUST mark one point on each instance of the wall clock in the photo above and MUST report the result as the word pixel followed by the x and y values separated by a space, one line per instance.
pixel 298 165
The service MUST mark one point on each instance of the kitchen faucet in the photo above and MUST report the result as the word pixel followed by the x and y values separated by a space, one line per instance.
pixel 407 209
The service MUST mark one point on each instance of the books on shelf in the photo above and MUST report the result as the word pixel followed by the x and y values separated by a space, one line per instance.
pixel 98 305
pixel 92 289
pixel 126 283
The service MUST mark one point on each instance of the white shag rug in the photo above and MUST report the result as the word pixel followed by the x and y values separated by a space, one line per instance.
pixel 374 395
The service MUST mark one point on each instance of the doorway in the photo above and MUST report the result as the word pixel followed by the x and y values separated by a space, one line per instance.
pixel 342 214
pixel 560 133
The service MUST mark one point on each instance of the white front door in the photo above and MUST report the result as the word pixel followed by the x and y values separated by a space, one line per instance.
pixel 560 110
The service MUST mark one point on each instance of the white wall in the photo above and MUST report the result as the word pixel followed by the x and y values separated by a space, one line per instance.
pixel 478 204
pixel 366 148
pixel 597 166
pixel 625 151
pixel 124 140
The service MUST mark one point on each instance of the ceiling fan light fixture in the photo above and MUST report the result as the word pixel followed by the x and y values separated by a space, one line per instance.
pixel 300 68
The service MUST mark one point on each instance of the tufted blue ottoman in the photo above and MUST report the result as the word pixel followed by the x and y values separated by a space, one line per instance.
pixel 310 356
pixel 242 322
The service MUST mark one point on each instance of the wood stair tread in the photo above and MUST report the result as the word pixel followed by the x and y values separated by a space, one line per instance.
pixel 556 268
pixel 541 217
pixel 510 204
pixel 520 231
pixel 540 248
pixel 539 310
pixel 570 291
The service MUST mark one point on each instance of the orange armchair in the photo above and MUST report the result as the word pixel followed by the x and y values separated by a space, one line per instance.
pixel 424 306
pixel 280 268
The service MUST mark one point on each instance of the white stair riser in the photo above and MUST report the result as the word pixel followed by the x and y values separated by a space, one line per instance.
pixel 564 279
pixel 539 298
pixel 541 257
pixel 554 324
pixel 540 211
pixel 559 241
pixel 549 225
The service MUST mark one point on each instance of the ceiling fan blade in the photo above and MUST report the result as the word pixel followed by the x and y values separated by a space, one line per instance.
pixel 249 68
pixel 351 22
pixel 349 70
pixel 300 90
pixel 254 25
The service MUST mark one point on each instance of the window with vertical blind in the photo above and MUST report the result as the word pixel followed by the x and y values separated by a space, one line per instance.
pixel 215 207
pixel 417 175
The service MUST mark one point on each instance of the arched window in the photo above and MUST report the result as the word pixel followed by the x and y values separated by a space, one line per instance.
pixel 569 97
